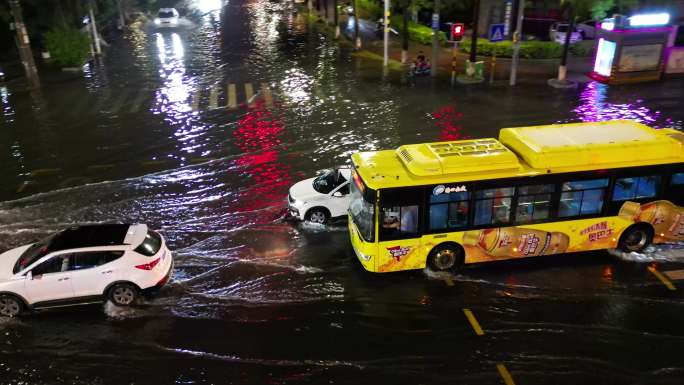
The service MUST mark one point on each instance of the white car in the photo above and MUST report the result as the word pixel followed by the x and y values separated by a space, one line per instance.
pixel 83 265
pixel 587 29
pixel 166 17
pixel 558 31
pixel 321 198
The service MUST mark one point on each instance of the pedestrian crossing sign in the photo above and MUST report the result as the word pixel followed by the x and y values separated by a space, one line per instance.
pixel 496 32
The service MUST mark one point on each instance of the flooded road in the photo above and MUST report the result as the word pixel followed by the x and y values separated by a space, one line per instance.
pixel 199 131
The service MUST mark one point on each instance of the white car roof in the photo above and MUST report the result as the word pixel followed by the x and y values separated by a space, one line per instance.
pixel 135 235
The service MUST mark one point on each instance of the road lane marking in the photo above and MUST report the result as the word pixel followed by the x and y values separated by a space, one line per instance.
pixel 153 162
pixel 100 166
pixel 674 275
pixel 232 97
pixel 268 96
pixel 662 278
pixel 139 100
pixel 213 98
pixel 473 322
pixel 249 93
pixel 23 186
pixel 201 160
pixel 505 375
pixel 45 171
pixel 120 101
pixel 194 101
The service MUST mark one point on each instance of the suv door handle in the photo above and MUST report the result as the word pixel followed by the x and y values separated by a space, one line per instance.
pixel 107 272
pixel 63 279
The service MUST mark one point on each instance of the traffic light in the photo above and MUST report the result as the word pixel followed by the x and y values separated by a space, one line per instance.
pixel 457 30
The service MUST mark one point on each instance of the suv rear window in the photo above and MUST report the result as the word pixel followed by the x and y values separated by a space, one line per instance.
pixel 151 245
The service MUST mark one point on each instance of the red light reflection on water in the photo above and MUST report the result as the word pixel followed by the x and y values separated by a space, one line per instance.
pixel 446 119
pixel 258 136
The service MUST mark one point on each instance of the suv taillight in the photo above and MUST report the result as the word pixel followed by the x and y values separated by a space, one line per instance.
pixel 148 266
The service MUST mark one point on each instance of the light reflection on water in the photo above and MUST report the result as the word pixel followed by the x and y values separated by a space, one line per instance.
pixel 594 107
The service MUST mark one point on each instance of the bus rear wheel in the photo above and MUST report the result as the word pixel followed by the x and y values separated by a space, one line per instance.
pixel 635 239
pixel 446 257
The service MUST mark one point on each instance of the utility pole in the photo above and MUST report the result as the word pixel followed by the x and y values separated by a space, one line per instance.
pixel 385 57
pixel 404 34
pixel 561 81
pixel 357 38
pixel 122 21
pixel 24 45
pixel 517 35
pixel 435 39
pixel 336 16
pixel 93 30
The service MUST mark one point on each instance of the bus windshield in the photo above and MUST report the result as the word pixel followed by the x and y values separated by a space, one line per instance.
pixel 361 210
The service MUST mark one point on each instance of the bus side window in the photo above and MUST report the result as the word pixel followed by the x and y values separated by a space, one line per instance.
pixel 448 210
pixel 583 197
pixel 493 206
pixel 534 203
pixel 399 213
pixel 636 188
pixel 678 179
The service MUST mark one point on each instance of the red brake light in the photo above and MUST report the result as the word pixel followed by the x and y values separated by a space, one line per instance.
pixel 148 266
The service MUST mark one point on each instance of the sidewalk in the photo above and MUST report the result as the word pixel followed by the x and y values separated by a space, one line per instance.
pixel 529 70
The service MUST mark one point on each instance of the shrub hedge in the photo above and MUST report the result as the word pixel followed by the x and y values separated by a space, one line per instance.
pixel 417 32
pixel 68 46
pixel 528 49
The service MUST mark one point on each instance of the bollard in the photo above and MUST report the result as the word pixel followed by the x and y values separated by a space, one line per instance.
pixel 491 70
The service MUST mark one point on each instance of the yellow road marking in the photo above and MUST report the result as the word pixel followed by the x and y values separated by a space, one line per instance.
pixel 674 275
pixel 249 92
pixel 23 186
pixel 662 278
pixel 100 166
pixel 232 96
pixel 268 96
pixel 473 322
pixel 505 375
pixel 213 98
pixel 45 171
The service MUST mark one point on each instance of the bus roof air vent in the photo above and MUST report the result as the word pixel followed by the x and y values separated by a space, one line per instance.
pixel 464 156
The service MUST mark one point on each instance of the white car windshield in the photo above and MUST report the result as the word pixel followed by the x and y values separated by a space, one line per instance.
pixel 165 14
pixel 328 181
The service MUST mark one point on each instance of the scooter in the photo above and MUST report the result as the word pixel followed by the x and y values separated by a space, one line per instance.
pixel 416 71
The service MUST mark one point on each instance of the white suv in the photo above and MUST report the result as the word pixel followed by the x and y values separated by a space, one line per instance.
pixel 321 198
pixel 82 265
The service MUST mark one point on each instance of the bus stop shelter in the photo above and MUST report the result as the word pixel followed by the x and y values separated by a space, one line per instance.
pixel 631 49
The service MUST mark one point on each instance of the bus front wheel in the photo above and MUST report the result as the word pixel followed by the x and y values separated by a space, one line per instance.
pixel 446 257
pixel 636 239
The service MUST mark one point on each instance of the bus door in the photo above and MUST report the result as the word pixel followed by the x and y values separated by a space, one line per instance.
pixel 399 230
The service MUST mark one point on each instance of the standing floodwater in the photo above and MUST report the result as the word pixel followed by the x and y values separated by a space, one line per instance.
pixel 200 130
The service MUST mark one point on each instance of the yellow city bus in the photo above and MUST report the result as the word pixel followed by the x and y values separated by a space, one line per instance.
pixel 535 191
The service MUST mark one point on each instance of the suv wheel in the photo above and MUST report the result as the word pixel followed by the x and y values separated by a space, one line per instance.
pixel 123 294
pixel 317 215
pixel 10 306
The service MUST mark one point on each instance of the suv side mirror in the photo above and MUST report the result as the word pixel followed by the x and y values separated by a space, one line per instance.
pixel 29 275
pixel 337 194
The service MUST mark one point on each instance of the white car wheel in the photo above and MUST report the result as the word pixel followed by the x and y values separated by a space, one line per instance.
pixel 123 294
pixel 10 306
pixel 317 216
